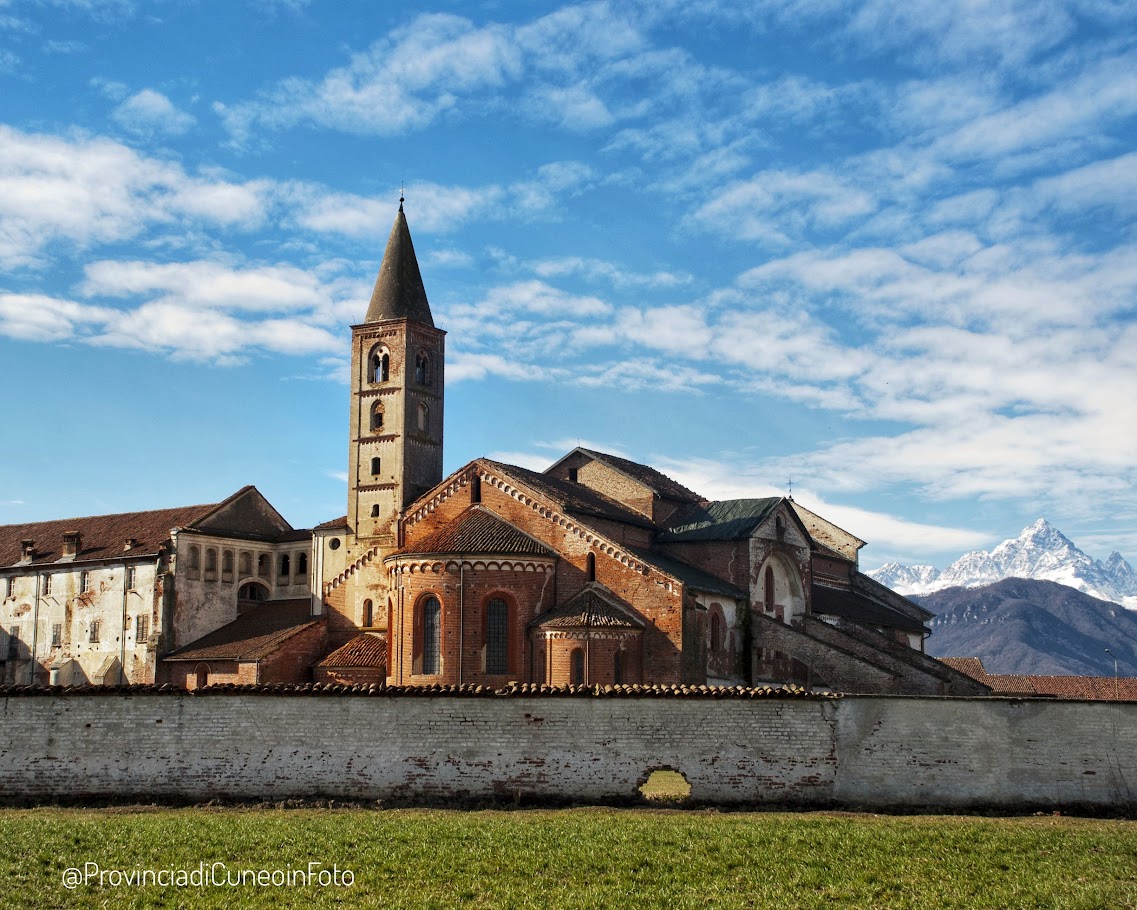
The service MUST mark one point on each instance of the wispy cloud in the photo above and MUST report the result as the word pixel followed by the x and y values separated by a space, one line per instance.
pixel 149 113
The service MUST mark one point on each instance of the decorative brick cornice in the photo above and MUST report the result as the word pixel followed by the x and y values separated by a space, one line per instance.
pixel 353 568
pixel 417 565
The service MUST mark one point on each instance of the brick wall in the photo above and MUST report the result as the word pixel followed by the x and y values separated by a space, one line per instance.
pixel 862 751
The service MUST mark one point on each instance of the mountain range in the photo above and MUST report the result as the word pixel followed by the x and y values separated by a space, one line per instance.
pixel 1041 552
pixel 1027 626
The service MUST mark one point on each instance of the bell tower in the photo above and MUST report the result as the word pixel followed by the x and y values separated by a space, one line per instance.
pixel 397 373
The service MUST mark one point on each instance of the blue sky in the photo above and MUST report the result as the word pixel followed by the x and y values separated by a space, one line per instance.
pixel 884 249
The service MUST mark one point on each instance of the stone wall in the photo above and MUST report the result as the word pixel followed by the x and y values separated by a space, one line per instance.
pixel 868 751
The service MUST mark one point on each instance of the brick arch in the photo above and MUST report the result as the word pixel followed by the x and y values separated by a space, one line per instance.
pixel 788 590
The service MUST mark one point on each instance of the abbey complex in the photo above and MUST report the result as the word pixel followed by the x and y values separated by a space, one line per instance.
pixel 598 570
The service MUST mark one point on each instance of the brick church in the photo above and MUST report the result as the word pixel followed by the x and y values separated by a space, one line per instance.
pixel 598 570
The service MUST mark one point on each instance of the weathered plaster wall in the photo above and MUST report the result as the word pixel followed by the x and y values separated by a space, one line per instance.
pixel 855 751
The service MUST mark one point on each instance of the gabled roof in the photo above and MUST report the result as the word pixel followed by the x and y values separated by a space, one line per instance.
pixel 654 480
pixel 728 519
pixel 335 524
pixel 366 650
pixel 591 607
pixel 478 530
pixel 852 605
pixel 252 635
pixel 399 292
pixel 833 538
pixel 573 497
pixel 101 536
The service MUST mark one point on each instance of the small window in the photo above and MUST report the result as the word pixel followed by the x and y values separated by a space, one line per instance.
pixel 201 676
pixel 93 632
pixel 46 584
pixel 211 561
pixel 476 489
pixel 368 614
pixel 131 578
pixel 375 466
pixel 572 475
pixel 576 667
pixel 57 635
pixel 377 416
pixel 13 642
pixel 422 368
pixel 285 566
pixel 194 559
pixel 716 632
pixel 262 565
pixel 84 582
pixel 769 590
pixel 301 563
pixel 423 417
pixel 9 587
pixel 334 543
pixel 497 637
pixel 227 562
pixel 590 567
pixel 142 629
pixel 375 511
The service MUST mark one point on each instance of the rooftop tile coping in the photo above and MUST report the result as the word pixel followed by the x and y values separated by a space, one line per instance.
pixel 527 690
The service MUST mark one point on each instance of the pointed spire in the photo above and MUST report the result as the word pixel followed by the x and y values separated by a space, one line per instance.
pixel 399 291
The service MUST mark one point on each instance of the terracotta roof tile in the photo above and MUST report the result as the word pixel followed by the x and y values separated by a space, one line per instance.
pixel 101 536
pixel 252 635
pixel 366 650
pixel 1093 688
pixel 591 607
pixel 335 524
pixel 477 530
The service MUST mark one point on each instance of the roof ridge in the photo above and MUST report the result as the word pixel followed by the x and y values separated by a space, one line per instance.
pixel 51 521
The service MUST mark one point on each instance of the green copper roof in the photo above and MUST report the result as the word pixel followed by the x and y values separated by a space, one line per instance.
pixel 729 519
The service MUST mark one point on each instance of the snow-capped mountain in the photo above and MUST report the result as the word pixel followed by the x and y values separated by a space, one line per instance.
pixel 1040 552
pixel 906 579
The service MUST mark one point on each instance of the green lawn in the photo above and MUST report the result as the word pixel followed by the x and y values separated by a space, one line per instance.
pixel 599 858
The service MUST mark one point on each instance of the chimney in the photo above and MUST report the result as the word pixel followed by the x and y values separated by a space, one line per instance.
pixel 27 550
pixel 71 544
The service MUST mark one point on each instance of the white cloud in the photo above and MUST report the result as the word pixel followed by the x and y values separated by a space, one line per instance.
pixel 88 191
pixel 775 206
pixel 739 479
pixel 38 317
pixel 208 285
pixel 150 113
pixel 602 270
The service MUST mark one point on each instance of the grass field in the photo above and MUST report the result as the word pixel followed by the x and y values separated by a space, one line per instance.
pixel 575 858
